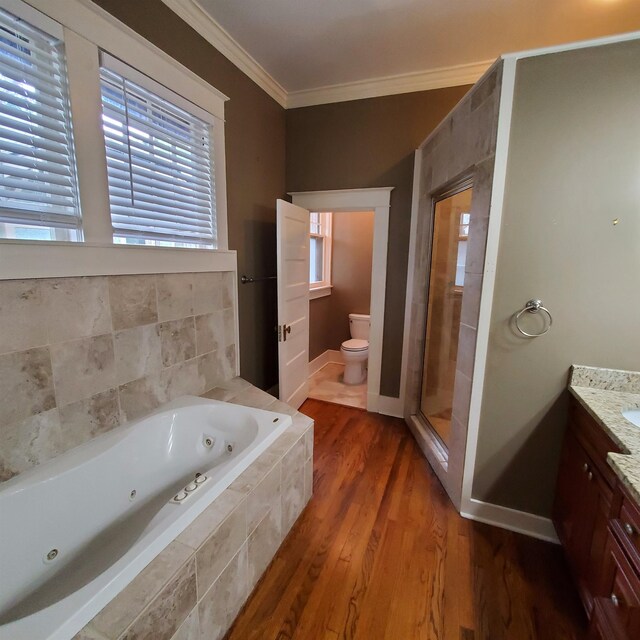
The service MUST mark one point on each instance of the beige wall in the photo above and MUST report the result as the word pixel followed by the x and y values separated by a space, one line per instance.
pixel 351 279
pixel 255 148
pixel 370 143
pixel 574 167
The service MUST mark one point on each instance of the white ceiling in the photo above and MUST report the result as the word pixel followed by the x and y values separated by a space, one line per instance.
pixel 306 44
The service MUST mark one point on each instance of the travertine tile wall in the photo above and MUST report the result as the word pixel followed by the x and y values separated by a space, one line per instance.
pixel 462 146
pixel 79 356
pixel 196 586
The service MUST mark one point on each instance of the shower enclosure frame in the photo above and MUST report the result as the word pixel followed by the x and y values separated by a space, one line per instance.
pixel 461 149
pixel 456 187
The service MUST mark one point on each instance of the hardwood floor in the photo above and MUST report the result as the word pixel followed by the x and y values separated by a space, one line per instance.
pixel 380 553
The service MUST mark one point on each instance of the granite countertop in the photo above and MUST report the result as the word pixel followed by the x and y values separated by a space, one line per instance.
pixel 604 393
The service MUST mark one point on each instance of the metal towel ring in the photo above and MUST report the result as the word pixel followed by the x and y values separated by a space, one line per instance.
pixel 533 306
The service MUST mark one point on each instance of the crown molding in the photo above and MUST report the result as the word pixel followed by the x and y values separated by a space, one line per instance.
pixel 403 83
pixel 200 20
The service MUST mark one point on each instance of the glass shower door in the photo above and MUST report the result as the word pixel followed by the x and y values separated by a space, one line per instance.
pixel 446 284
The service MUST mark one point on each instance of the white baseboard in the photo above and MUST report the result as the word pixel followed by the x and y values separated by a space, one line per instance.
pixel 330 355
pixel 528 524
pixel 390 406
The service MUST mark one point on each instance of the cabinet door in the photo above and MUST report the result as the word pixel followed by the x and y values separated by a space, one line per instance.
pixel 602 496
pixel 575 509
pixel 603 626
pixel 620 581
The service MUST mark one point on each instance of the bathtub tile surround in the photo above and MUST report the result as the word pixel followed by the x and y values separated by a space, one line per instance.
pixel 169 608
pixel 82 368
pixel 133 301
pixel 219 549
pixel 26 385
pixel 79 356
pixel 197 585
pixel 175 296
pixel 120 614
pixel 138 352
pixel 21 322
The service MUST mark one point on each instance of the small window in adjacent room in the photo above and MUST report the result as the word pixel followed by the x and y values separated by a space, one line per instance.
pixel 320 253
pixel 38 187
pixel 463 239
pixel 159 162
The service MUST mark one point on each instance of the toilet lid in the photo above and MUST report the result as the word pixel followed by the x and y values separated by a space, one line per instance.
pixel 355 345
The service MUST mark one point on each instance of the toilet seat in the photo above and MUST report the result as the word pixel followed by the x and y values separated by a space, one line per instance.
pixel 355 345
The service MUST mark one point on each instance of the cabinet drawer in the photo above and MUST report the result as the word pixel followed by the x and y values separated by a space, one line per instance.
pixel 627 529
pixel 622 584
pixel 594 439
pixel 604 626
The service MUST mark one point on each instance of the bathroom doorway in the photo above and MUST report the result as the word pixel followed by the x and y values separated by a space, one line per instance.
pixel 357 201
pixel 451 217
pixel 341 245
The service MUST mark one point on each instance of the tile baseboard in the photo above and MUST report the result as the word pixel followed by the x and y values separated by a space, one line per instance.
pixel 330 355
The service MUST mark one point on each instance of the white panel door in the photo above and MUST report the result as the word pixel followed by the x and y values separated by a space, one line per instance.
pixel 292 232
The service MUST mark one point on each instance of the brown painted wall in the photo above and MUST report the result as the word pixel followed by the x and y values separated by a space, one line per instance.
pixel 255 150
pixel 370 143
pixel 572 169
pixel 351 278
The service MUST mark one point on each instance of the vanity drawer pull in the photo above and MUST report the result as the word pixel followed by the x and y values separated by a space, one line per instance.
pixel 585 467
pixel 629 530
pixel 615 600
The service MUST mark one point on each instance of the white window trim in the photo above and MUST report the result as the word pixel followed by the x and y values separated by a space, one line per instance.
pixel 87 29
pixel 320 292
pixel 324 286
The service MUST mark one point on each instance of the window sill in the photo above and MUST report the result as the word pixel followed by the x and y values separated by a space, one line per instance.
pixel 320 292
pixel 44 259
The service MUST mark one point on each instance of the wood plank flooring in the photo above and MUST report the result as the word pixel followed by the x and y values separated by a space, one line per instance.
pixel 380 554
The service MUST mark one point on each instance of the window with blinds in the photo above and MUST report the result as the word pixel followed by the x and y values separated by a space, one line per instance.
pixel 160 167
pixel 38 187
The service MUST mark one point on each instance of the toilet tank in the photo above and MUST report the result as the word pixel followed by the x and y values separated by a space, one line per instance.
pixel 359 326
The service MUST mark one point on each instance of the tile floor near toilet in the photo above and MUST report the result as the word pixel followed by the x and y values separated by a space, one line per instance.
pixel 327 384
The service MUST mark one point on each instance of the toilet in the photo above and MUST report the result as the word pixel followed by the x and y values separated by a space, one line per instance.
pixel 355 352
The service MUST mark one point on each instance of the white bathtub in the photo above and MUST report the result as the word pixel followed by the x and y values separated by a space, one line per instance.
pixel 76 530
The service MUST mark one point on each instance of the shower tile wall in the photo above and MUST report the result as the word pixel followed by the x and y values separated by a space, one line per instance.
pixel 79 356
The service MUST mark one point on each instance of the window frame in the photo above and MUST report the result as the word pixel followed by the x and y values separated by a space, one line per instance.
pixel 50 27
pixel 462 237
pixel 324 286
pixel 86 30
pixel 128 73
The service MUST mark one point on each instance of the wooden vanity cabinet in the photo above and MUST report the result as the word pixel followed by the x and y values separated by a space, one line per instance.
pixel 598 524
pixel 619 601
pixel 584 495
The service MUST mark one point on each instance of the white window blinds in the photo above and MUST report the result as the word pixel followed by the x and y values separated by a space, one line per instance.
pixel 159 160
pixel 37 167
